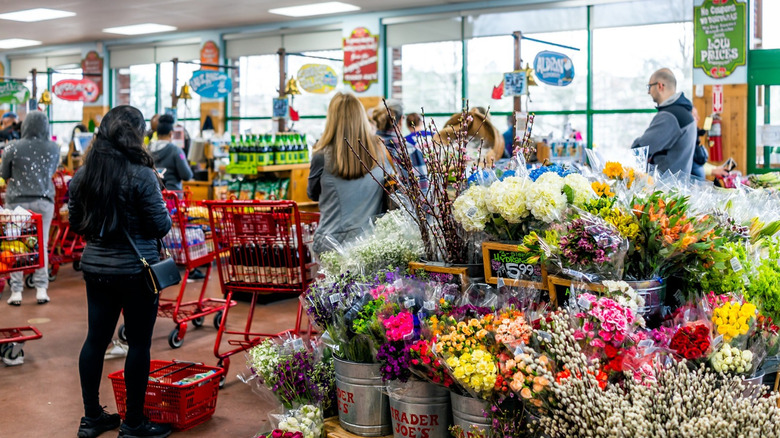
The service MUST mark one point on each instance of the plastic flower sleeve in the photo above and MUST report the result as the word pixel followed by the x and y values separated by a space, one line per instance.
pixel 306 419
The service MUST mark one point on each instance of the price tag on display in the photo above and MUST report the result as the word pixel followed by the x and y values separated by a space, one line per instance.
pixel 429 305
pixel 335 298
pixel 736 265
pixel 409 303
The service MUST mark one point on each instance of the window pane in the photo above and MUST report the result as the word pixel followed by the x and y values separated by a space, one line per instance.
pixel 770 32
pixel 491 57
pixel 613 134
pixel 185 109
pixel 308 104
pixel 532 21
pixel 258 80
pixel 625 57
pixel 142 88
pixel 64 109
pixel 430 77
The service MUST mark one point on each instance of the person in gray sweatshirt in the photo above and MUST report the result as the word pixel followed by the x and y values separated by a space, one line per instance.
pixel 671 135
pixel 169 159
pixel 28 167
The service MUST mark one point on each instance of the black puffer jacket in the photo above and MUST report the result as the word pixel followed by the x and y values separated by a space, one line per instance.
pixel 145 217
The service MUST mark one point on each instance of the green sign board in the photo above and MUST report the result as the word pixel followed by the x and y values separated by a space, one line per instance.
pixel 13 92
pixel 720 37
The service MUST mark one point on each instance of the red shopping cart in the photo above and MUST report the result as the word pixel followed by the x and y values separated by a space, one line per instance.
pixel 262 248
pixel 191 246
pixel 20 234
pixel 65 246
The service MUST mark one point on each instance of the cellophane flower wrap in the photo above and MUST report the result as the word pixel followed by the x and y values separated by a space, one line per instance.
pixel 692 339
pixel 291 372
pixel 307 420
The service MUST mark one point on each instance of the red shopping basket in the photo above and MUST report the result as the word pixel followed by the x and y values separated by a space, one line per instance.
pixel 168 400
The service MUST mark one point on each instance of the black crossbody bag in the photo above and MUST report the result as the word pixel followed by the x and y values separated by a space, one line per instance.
pixel 161 274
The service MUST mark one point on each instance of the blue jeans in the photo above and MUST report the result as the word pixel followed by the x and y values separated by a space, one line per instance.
pixel 45 208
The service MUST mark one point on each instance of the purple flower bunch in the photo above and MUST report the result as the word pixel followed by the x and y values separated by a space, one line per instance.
pixel 508 417
pixel 297 382
pixel 586 243
pixel 395 361
pixel 323 299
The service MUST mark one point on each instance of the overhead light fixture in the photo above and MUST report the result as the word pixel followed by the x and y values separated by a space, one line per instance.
pixel 315 9
pixel 140 29
pixel 37 14
pixel 15 43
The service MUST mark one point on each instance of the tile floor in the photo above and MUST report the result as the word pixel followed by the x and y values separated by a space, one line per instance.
pixel 42 397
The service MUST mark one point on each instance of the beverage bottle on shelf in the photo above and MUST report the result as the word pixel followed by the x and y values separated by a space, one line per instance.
pixel 262 151
pixel 294 270
pixel 251 268
pixel 279 157
pixel 297 148
pixel 269 149
pixel 232 150
pixel 253 150
pixel 262 261
pixel 305 148
pixel 290 153
pixel 235 262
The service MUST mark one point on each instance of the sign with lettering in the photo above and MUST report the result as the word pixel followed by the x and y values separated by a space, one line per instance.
pixel 77 90
pixel 416 424
pixel 442 273
pixel 13 92
pixel 281 108
pixel 209 54
pixel 515 83
pixel 720 41
pixel 553 68
pixel 717 98
pixel 92 68
pixel 317 78
pixel 211 84
pixel 508 263
pixel 361 60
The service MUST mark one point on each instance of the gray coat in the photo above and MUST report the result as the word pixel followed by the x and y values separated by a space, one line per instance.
pixel 671 136
pixel 346 206
pixel 29 163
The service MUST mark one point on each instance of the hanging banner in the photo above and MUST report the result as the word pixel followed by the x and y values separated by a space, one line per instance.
pixel 77 90
pixel 13 92
pixel 92 67
pixel 361 62
pixel 317 78
pixel 211 84
pixel 553 68
pixel 281 108
pixel 515 83
pixel 720 42
pixel 209 54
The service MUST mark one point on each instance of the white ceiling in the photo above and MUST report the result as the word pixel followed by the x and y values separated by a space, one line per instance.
pixel 187 15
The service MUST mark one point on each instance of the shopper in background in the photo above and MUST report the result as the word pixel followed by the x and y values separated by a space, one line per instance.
pixel 509 136
pixel 414 123
pixel 700 155
pixel 116 193
pixel 348 195
pixel 151 134
pixel 28 166
pixel 672 132
pixel 169 159
pixel 8 129
pixel 386 130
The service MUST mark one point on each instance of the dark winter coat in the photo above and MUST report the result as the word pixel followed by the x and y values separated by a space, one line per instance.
pixel 171 164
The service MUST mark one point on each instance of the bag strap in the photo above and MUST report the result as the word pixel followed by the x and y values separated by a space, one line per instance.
pixel 135 248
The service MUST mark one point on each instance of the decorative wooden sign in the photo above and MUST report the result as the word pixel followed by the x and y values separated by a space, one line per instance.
pixel 506 262
pixel 443 274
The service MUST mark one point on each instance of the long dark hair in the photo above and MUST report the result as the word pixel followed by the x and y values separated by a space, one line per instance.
pixel 117 145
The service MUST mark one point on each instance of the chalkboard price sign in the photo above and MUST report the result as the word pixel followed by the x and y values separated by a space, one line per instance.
pixel 505 261
pixel 443 274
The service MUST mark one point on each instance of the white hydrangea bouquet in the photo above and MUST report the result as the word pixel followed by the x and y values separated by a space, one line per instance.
pixel 509 208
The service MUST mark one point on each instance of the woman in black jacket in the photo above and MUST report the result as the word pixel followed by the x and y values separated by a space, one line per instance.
pixel 118 190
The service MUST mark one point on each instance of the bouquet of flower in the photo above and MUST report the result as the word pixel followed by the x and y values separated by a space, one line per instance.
pixel 734 319
pixel 764 284
pixel 304 422
pixel 691 341
pixel 279 433
pixel 527 374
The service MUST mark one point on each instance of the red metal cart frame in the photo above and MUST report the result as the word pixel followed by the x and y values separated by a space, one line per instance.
pixel 21 236
pixel 191 247
pixel 261 248
pixel 65 246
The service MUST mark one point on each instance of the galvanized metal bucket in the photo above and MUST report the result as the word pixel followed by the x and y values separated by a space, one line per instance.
pixel 419 409
pixel 467 412
pixel 753 385
pixel 654 292
pixel 363 407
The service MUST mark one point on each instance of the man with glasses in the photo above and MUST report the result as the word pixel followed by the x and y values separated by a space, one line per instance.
pixel 671 135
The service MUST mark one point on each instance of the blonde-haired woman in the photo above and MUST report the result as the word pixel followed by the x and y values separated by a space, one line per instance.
pixel 348 195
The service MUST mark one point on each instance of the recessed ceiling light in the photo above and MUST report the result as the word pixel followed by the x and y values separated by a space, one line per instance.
pixel 140 29
pixel 15 43
pixel 37 14
pixel 315 9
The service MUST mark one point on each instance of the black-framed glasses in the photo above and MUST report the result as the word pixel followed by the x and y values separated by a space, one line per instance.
pixel 649 86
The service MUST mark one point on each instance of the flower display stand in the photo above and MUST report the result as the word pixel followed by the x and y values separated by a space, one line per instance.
pixel 334 430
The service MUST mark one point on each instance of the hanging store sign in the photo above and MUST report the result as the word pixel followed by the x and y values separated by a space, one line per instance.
pixel 211 84
pixel 281 108
pixel 717 98
pixel 13 92
pixel 209 54
pixel 515 83
pixel 92 67
pixel 77 90
pixel 361 60
pixel 720 41
pixel 553 68
pixel 317 78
